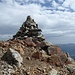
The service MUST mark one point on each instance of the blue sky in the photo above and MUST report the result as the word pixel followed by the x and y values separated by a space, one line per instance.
pixel 56 18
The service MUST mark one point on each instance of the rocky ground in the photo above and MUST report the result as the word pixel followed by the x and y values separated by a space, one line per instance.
pixel 28 53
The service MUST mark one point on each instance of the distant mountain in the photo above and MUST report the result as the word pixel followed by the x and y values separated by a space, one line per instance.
pixel 58 5
pixel 69 48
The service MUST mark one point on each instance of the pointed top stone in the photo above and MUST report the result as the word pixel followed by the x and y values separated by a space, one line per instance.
pixel 29 18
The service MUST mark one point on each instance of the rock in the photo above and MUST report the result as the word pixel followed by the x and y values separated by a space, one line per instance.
pixel 41 37
pixel 43 52
pixel 55 60
pixel 37 55
pixel 44 43
pixel 4 44
pixel 69 57
pixel 53 72
pixel 29 42
pixel 28 58
pixel 1 50
pixel 18 48
pixel 71 68
pixel 54 50
pixel 12 57
pixel 1 44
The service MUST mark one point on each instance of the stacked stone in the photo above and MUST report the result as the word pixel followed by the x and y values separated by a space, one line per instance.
pixel 29 29
pixel 30 33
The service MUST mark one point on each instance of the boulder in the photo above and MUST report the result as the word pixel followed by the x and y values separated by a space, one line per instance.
pixel 12 57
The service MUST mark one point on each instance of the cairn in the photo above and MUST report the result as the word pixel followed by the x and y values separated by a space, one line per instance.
pixel 29 29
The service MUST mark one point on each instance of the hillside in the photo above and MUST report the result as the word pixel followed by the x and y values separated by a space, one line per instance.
pixel 28 53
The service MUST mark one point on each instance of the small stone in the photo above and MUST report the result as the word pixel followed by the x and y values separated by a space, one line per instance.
pixel 28 58
pixel 10 67
pixel 39 68
pixel 43 70
pixel 53 72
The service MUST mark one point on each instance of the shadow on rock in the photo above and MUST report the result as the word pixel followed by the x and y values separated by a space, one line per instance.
pixel 12 57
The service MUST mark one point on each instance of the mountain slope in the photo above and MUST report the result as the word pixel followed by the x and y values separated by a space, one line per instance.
pixel 68 48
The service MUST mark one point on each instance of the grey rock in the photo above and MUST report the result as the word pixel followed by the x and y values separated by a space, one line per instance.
pixel 12 57
pixel 69 57
pixel 71 68
pixel 53 72
pixel 0 50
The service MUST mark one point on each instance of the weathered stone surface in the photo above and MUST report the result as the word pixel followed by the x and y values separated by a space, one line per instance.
pixel 69 58
pixel 71 68
pixel 55 60
pixel 53 72
pixel 1 51
pixel 37 55
pixel 12 57
pixel 54 50
pixel 4 44
pixel 18 48
pixel 29 42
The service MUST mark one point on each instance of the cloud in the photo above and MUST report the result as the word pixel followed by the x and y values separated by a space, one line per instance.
pixel 69 3
pixel 57 26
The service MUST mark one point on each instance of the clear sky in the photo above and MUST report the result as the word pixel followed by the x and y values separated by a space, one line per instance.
pixel 56 18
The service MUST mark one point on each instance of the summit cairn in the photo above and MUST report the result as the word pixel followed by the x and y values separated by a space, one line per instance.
pixel 30 32
pixel 29 29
